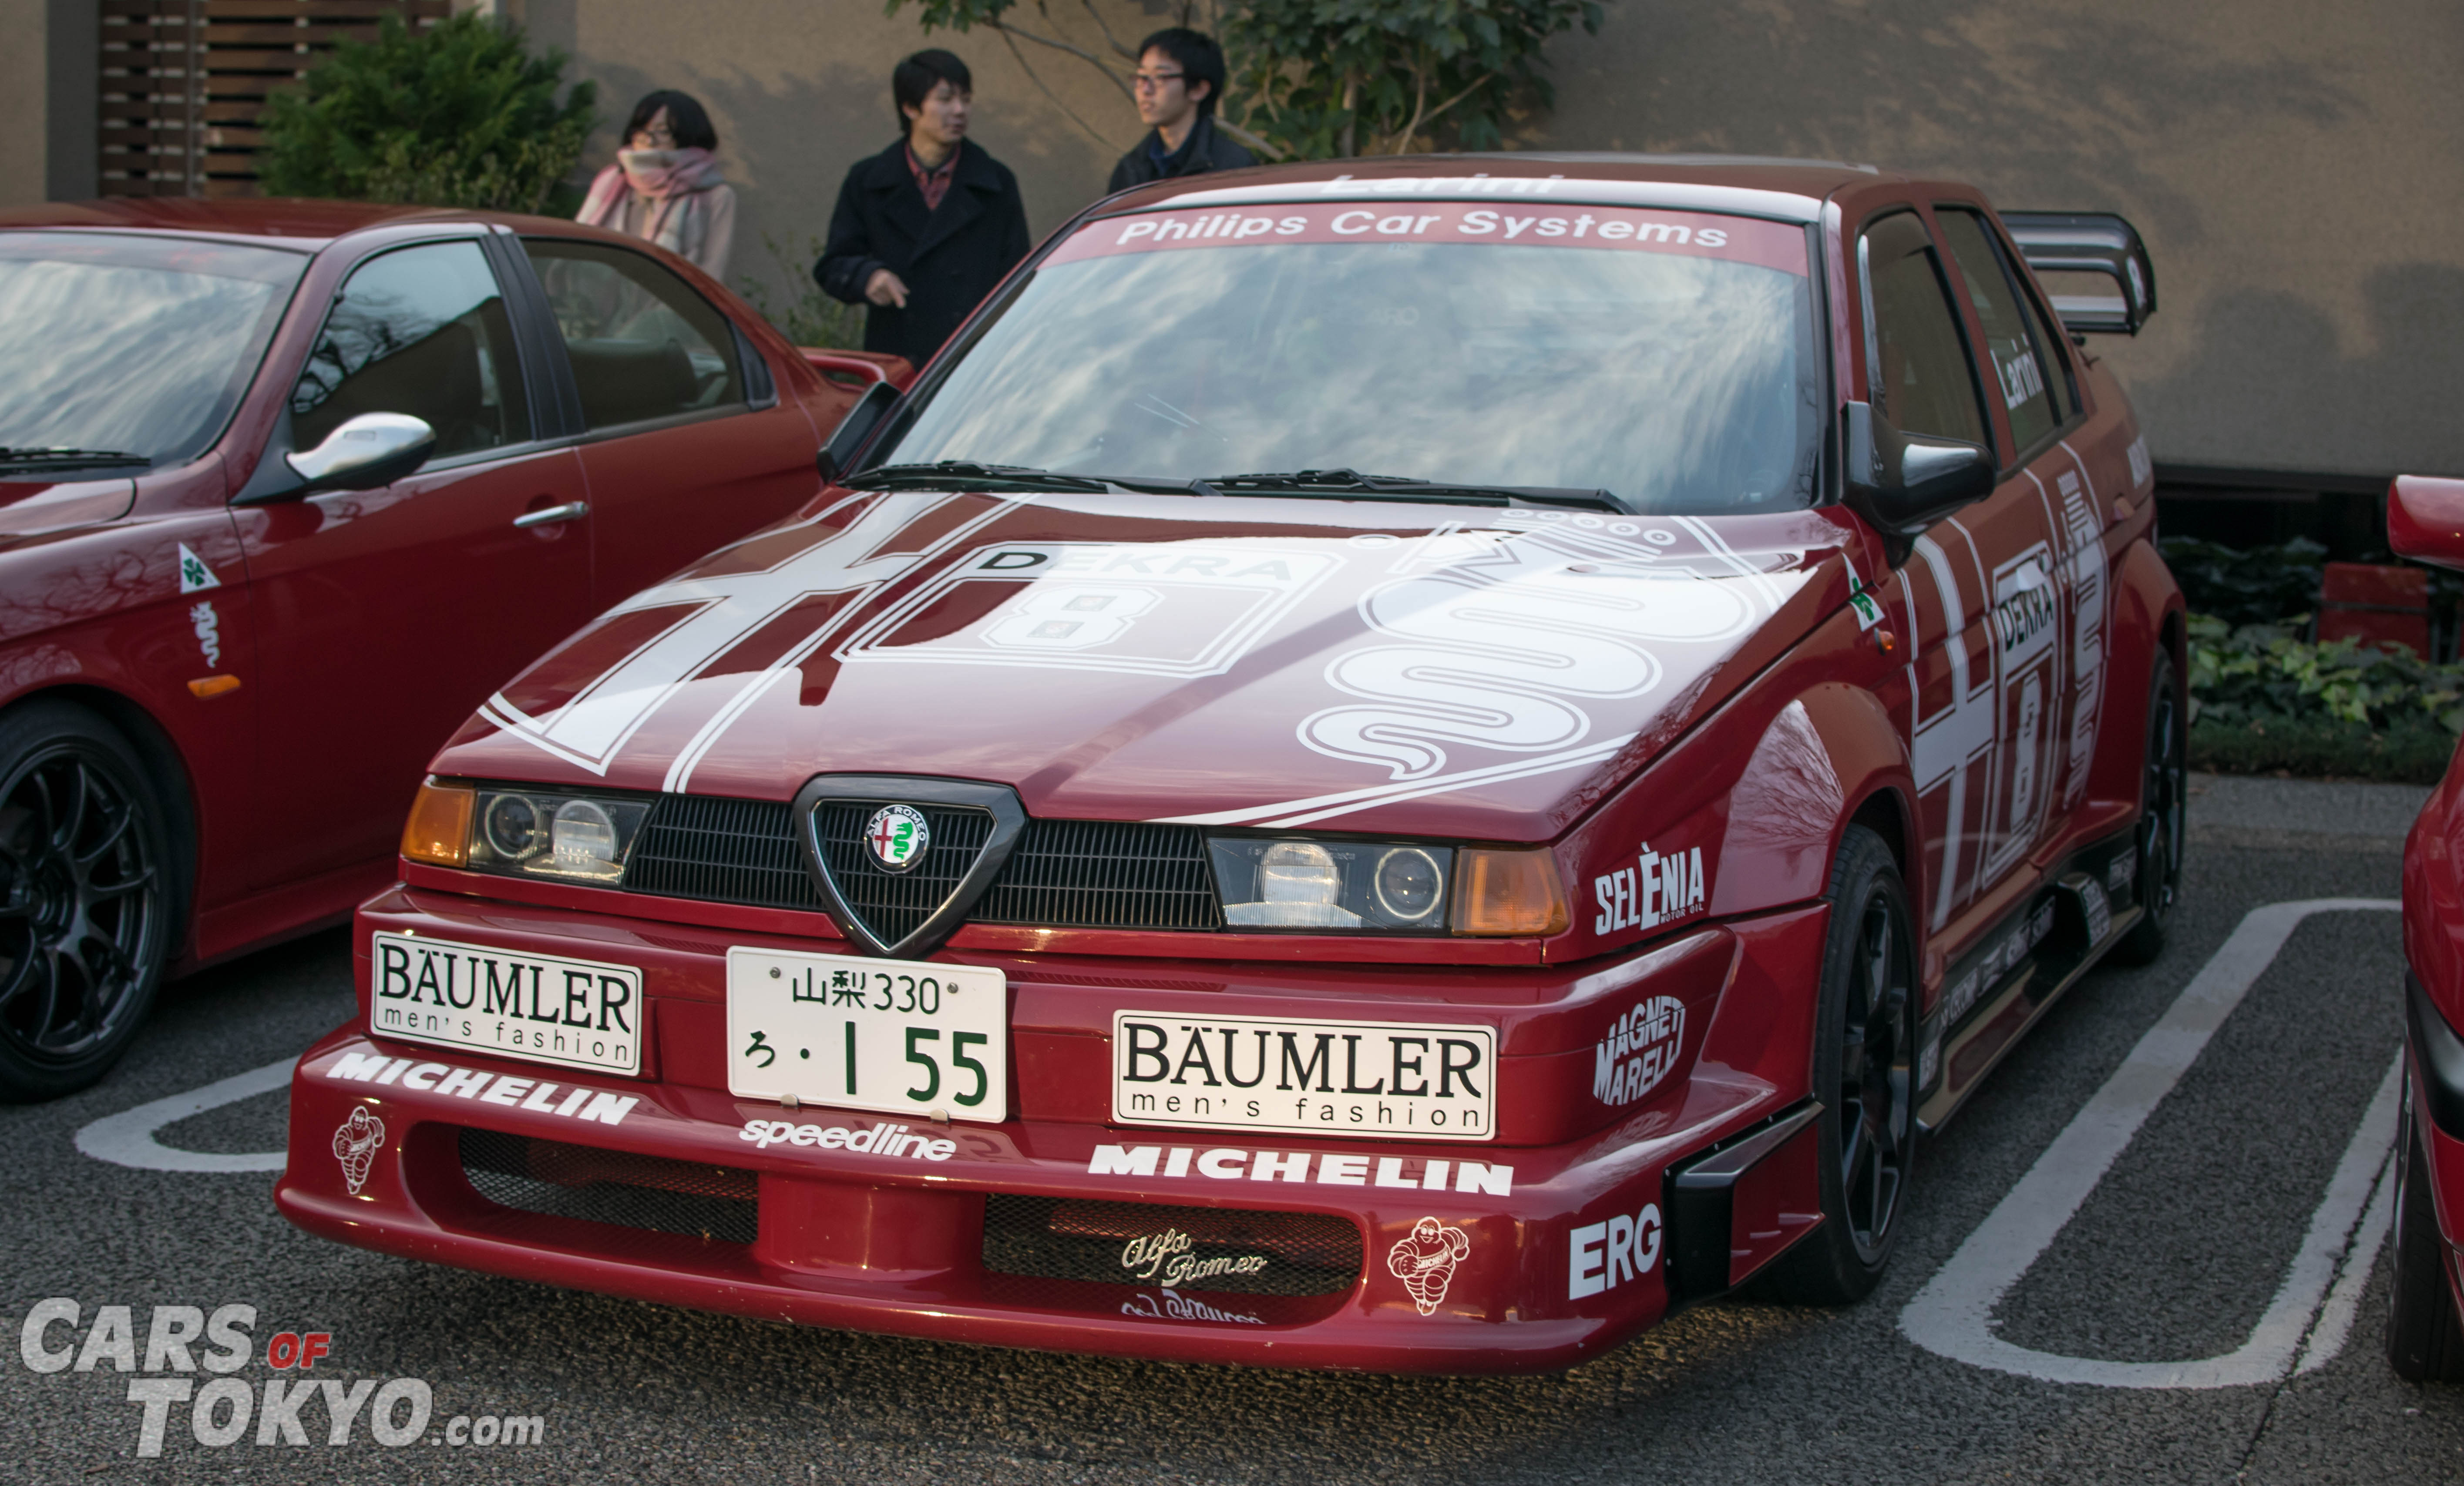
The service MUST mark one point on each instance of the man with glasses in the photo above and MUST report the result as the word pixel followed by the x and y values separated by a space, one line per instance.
pixel 1180 76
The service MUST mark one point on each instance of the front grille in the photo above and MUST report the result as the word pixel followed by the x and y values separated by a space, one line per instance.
pixel 1105 874
pixel 723 851
pixel 1064 874
pixel 1293 1254
pixel 557 1180
pixel 894 905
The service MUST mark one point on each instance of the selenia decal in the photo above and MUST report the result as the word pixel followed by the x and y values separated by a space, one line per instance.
pixel 1424 1259
pixel 1657 891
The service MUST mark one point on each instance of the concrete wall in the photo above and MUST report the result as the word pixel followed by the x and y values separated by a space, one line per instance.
pixel 2295 166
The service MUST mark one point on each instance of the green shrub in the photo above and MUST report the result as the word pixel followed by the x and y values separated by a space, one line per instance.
pixel 2264 699
pixel 459 115
pixel 2256 585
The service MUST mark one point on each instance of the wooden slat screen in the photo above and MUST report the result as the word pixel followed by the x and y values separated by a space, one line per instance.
pixel 184 81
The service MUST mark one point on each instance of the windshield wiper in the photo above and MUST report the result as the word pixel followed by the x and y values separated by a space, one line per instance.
pixel 1353 485
pixel 971 475
pixel 67 458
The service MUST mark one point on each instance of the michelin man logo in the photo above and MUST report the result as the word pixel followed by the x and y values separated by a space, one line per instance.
pixel 355 1146
pixel 1424 1259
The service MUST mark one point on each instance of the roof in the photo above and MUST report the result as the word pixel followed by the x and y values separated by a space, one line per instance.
pixel 306 223
pixel 1790 189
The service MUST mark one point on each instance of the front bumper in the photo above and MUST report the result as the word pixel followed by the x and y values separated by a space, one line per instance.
pixel 1476 1257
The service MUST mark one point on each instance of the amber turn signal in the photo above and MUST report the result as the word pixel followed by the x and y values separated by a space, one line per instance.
pixel 207 686
pixel 439 832
pixel 1508 892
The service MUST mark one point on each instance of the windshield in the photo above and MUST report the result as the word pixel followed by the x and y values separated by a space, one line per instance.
pixel 1663 357
pixel 134 345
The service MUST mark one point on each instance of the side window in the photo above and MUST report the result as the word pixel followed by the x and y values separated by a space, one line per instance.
pixel 2020 361
pixel 1916 360
pixel 420 331
pixel 644 345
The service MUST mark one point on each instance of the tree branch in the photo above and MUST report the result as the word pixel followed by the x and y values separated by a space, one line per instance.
pixel 1080 53
pixel 1116 41
pixel 1007 37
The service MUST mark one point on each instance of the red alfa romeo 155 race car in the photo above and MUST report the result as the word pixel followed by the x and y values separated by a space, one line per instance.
pixel 1400 769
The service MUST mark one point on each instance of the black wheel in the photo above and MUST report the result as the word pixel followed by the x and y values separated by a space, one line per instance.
pixel 2425 1341
pixel 1865 1073
pixel 87 897
pixel 2164 792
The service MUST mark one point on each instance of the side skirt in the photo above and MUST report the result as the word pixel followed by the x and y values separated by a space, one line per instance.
pixel 2027 965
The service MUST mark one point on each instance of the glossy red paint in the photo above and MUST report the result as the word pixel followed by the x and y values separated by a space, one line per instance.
pixel 361 627
pixel 1995 745
pixel 2426 519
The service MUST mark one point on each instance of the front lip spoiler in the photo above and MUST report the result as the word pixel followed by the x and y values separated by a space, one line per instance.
pixel 2438 1054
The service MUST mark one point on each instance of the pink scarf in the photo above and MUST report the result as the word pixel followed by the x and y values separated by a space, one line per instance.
pixel 670 180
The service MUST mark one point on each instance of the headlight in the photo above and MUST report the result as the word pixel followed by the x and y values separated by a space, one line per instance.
pixel 1383 886
pixel 535 832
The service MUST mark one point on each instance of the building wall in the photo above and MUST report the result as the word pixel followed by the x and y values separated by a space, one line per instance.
pixel 2293 165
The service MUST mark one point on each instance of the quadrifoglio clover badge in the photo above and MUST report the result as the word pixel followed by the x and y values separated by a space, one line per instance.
pixel 898 835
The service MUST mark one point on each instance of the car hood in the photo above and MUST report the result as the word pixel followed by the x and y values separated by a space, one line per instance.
pixel 35 508
pixel 1469 671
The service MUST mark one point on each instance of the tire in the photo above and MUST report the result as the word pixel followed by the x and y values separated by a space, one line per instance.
pixel 2164 792
pixel 1865 1073
pixel 89 891
pixel 2425 1338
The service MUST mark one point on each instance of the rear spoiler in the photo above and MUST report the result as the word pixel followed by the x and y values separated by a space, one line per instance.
pixel 2070 243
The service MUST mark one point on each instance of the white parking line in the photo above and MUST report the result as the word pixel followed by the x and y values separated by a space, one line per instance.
pixel 1954 1315
pixel 127 1137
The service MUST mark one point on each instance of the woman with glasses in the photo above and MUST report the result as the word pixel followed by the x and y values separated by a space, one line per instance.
pixel 1180 76
pixel 664 187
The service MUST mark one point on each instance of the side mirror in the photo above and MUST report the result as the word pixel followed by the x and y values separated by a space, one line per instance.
pixel 847 441
pixel 2426 519
pixel 1904 482
pixel 364 453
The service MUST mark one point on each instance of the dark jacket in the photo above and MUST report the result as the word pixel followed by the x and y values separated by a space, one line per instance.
pixel 1207 149
pixel 949 258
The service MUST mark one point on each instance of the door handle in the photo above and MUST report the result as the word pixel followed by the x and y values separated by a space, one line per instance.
pixel 570 511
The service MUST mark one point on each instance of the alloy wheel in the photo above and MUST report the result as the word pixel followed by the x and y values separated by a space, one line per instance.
pixel 1876 1080
pixel 82 903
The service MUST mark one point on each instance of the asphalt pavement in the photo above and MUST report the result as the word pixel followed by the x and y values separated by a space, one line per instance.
pixel 2210 1311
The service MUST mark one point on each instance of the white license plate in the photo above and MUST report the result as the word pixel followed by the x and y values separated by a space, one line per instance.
pixel 1397 1079
pixel 580 1014
pixel 902 1036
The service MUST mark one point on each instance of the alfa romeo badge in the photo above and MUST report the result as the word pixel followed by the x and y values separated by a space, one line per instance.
pixel 898 835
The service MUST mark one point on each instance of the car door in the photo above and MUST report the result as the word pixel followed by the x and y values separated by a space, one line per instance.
pixel 687 443
pixel 1980 583
pixel 384 617
pixel 2040 399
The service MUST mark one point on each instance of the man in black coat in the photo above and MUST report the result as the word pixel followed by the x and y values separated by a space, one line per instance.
pixel 1180 76
pixel 925 229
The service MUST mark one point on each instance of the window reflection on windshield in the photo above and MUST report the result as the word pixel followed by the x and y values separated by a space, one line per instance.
pixel 1678 384
pixel 142 345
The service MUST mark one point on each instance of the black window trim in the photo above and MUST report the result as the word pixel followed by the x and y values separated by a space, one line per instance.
pixel 1950 303
pixel 581 433
pixel 2076 418
pixel 270 467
